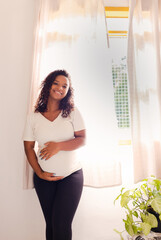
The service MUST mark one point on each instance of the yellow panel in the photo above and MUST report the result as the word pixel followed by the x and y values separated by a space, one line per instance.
pixel 117 9
pixel 117 32
pixel 117 12
pixel 124 142
pixel 113 15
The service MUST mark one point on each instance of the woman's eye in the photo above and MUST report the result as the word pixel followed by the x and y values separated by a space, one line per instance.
pixel 64 86
pixel 54 83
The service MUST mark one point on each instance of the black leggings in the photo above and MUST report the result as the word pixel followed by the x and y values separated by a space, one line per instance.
pixel 59 201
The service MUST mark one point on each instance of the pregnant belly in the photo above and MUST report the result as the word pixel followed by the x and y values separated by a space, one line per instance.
pixel 62 164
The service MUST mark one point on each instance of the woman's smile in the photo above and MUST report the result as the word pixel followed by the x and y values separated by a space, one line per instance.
pixel 57 92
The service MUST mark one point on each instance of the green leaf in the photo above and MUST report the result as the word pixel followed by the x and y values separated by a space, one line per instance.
pixel 156 204
pixel 156 183
pixel 125 198
pixel 143 188
pixel 120 233
pixel 145 180
pixel 135 229
pixel 129 229
pixel 155 193
pixel 152 176
pixel 129 218
pixel 119 195
pixel 142 206
pixel 150 219
pixel 135 214
pixel 138 193
pixel 145 228
pixel 117 198
pixel 149 191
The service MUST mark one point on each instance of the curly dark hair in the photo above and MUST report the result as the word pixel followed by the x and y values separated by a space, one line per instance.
pixel 66 104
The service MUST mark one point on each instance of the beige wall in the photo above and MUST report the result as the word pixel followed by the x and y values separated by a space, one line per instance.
pixel 20 214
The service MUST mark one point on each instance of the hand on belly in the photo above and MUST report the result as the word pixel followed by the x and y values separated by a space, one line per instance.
pixel 50 149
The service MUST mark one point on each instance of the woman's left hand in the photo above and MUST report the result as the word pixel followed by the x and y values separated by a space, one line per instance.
pixel 50 149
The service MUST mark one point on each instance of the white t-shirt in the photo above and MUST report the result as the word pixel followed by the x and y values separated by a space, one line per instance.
pixel 40 129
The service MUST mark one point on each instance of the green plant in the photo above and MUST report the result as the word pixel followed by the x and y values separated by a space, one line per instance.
pixel 138 203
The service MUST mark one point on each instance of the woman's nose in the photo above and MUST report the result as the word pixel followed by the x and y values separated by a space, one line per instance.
pixel 60 87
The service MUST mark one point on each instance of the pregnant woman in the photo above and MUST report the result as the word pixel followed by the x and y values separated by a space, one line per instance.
pixel 58 128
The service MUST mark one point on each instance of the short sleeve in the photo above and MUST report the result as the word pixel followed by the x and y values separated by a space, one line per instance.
pixel 78 122
pixel 28 134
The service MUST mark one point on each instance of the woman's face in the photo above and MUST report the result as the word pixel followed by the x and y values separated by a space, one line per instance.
pixel 59 88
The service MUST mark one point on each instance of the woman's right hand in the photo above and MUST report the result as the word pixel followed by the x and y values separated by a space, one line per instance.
pixel 49 176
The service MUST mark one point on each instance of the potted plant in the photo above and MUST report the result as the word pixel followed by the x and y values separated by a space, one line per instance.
pixel 142 206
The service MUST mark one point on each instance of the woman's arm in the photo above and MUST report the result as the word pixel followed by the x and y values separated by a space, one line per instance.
pixel 32 159
pixel 77 142
pixel 54 147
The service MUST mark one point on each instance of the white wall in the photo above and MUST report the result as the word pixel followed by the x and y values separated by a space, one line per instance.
pixel 20 214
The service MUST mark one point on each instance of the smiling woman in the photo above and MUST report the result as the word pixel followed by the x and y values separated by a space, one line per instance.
pixel 58 136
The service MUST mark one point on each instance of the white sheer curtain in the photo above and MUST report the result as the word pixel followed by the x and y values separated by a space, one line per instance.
pixel 71 35
pixel 144 66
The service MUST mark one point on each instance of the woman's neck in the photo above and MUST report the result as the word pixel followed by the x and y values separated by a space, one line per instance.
pixel 52 105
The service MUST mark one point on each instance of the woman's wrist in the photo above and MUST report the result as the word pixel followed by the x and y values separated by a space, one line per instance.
pixel 59 146
pixel 39 173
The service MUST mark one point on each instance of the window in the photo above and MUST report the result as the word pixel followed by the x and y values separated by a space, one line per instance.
pixel 120 85
pixel 117 32
pixel 117 25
